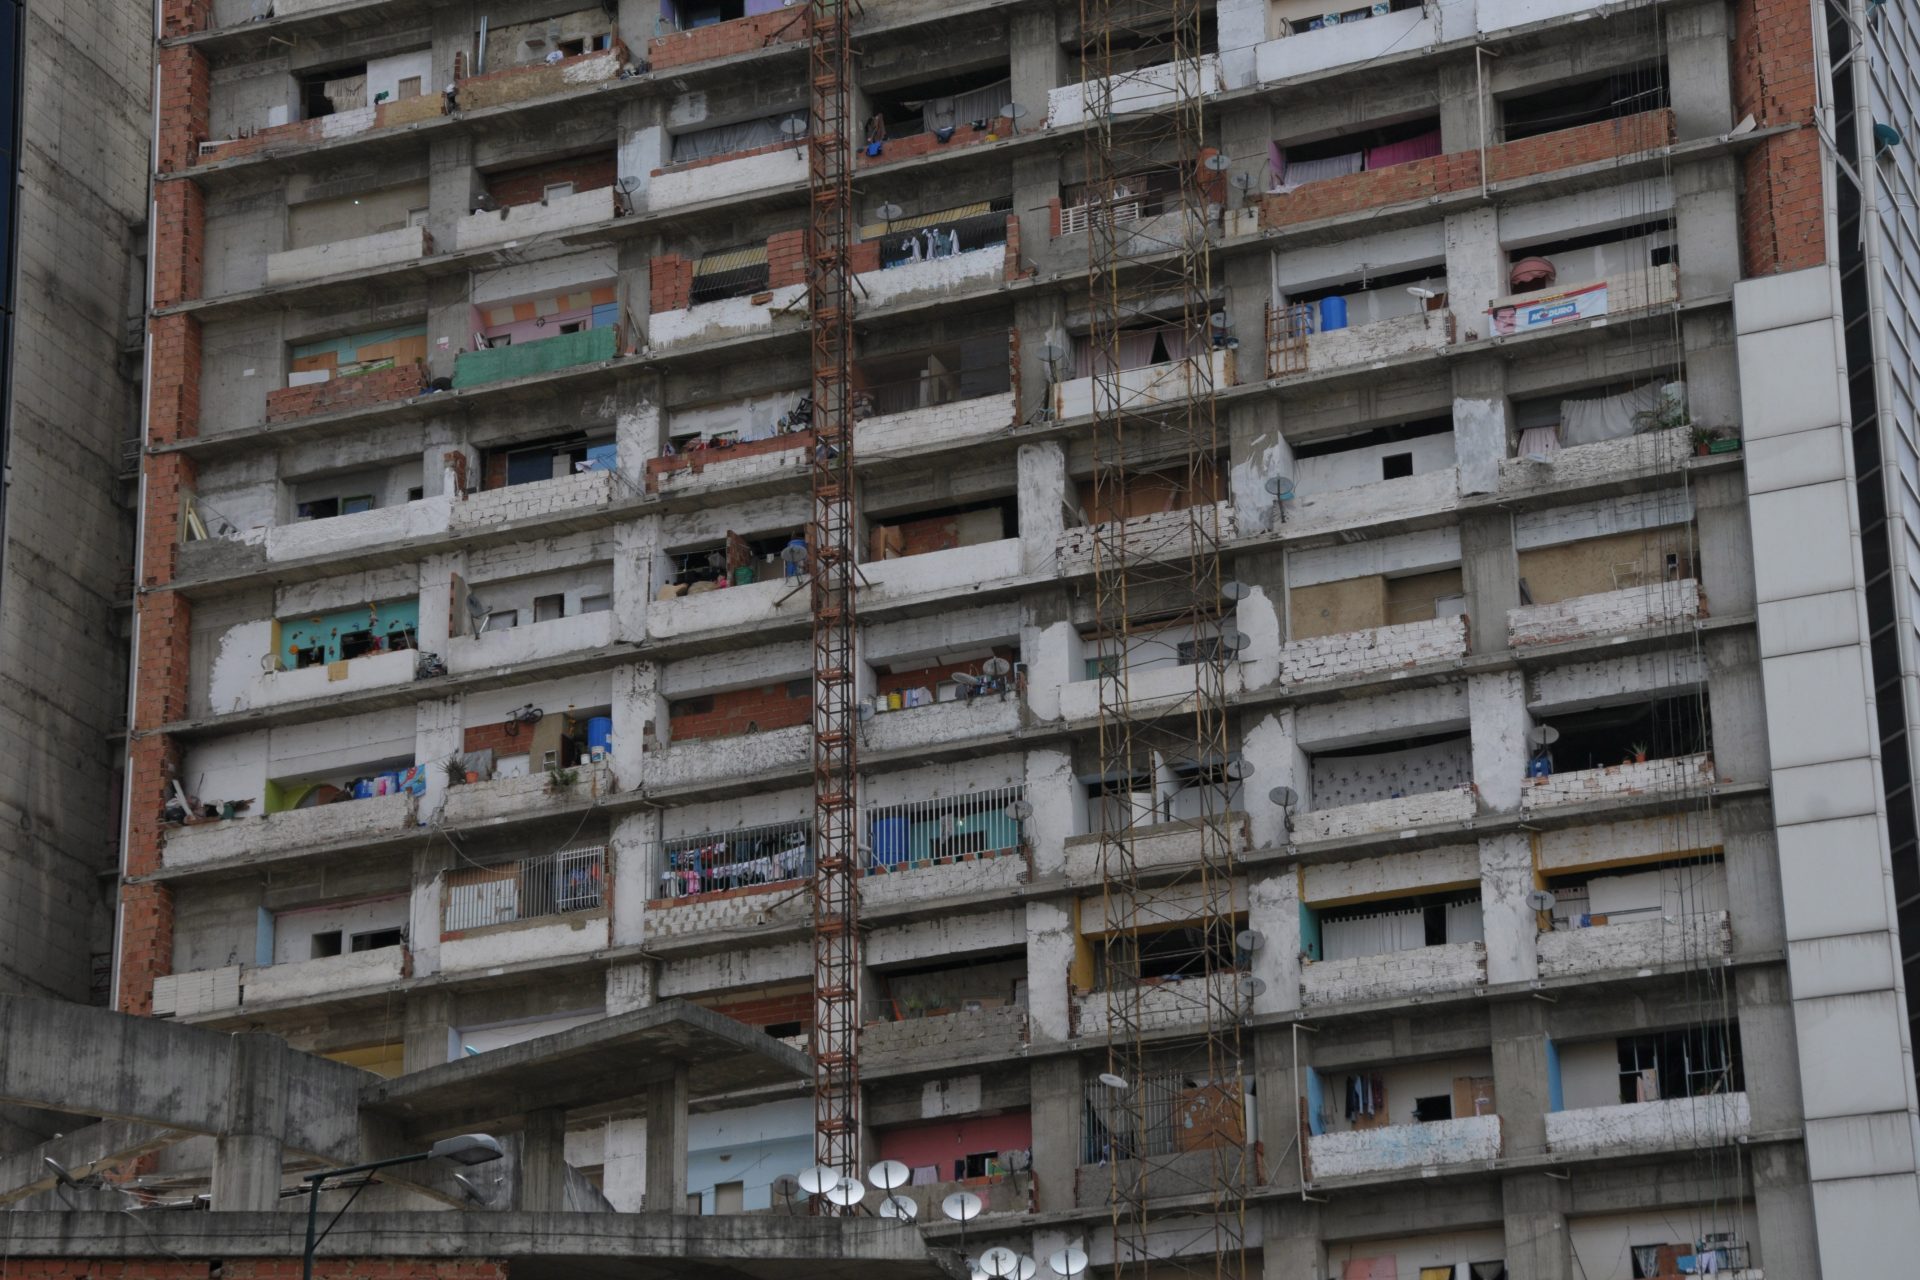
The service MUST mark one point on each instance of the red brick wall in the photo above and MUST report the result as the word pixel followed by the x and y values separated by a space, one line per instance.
pixel 529 185
pixel 670 284
pixel 495 738
pixel 179 248
pixel 173 411
pixel 255 1269
pixel 183 17
pixel 185 101
pixel 923 144
pixel 378 387
pixel 787 258
pixel 684 165
pixel 698 460
pixel 536 79
pixel 1013 269
pixel 386 115
pixel 1460 170
pixel 1782 205
pixel 726 39
pixel 737 711
pixel 766 1011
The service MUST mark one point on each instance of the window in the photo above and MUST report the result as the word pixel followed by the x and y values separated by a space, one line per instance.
pixel 318 509
pixel 1437 1107
pixel 573 326
pixel 407 88
pixel 376 939
pixel 326 944
pixel 356 504
pixel 596 604
pixel 1693 1063
pixel 734 273
pixel 529 466
pixel 416 493
pixel 549 608
pixel 1567 106
pixel 707 13
pixel 1185 951
pixel 556 191
pixel 1395 466
pixel 729 1197
pixel 503 619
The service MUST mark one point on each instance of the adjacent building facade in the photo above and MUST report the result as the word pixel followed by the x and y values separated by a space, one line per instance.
pixel 1561 405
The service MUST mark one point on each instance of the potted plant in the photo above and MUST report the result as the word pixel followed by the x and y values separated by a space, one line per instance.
pixel 1703 438
pixel 1639 753
pixel 455 767
pixel 560 780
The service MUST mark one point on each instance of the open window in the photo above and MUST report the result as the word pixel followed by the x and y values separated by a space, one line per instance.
pixel 1567 106
pixel 1385 926
pixel 1593 255
pixel 942 528
pixel 953 371
pixel 340 88
pixel 344 634
pixel 1173 954
pixel 972 99
pixel 364 780
pixel 1647 729
pixel 554 458
pixel 741 135
pixel 1378 147
pixel 353 492
pixel 1693 1062
pixel 685 15
pixel 943 233
pixel 1144 193
pixel 731 273
pixel 1377 453
pixel 733 561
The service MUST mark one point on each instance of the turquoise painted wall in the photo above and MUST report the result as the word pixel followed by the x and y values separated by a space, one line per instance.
pixel 324 630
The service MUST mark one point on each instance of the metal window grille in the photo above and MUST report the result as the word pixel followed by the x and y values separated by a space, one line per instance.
pixel 945 829
pixel 1163 1114
pixel 526 889
pixel 716 861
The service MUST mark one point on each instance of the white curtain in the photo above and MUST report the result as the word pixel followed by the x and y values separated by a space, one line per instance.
pixel 1135 349
pixel 1303 171
pixel 727 138
pixel 1373 935
pixel 1608 418
pixel 1465 923
pixel 974 104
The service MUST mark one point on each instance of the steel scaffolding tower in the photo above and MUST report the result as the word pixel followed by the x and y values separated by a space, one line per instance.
pixel 1174 1105
pixel 830 563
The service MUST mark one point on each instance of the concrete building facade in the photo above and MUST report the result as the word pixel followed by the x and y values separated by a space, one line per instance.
pixel 472 686
pixel 78 117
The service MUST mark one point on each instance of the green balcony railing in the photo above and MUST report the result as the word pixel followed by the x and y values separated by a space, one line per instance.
pixel 523 359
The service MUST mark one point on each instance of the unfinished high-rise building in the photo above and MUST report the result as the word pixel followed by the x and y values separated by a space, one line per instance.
pixel 1283 637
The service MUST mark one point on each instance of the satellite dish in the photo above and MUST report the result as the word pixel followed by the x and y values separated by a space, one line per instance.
pixel 1236 769
pixel 794 127
pixel 1027 1267
pixel 996 666
pixel 899 1207
pixel 1112 1081
pixel 1233 640
pixel 794 553
pixel 1540 900
pixel 1000 1262
pixel 966 681
pixel 1250 940
pixel 1019 811
pixel 889 1174
pixel 961 1206
pixel 818 1180
pixel 1281 487
pixel 848 1191
pixel 888 211
pixel 1285 797
pixel 1251 987
pixel 1218 162
pixel 786 1186
pixel 1235 591
pixel 1068 1262
pixel 1543 735
pixel 1220 320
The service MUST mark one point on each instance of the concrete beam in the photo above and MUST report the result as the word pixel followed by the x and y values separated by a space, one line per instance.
pixel 98 1147
pixel 178 1077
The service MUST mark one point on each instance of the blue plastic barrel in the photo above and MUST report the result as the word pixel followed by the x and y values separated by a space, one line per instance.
pixel 891 838
pixel 599 736
pixel 1333 314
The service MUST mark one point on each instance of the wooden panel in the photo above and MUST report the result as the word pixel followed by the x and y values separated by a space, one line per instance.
pixel 1466 1089
pixel 328 360
pixel 1334 608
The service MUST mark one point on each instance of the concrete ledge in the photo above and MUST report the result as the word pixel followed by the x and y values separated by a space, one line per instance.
pixel 1669 1125
pixel 1456 966
pixel 1399 813
pixel 328 825
pixel 935 1042
pixel 1637 944
pixel 1156 848
pixel 362 253
pixel 330 976
pixel 1470 1139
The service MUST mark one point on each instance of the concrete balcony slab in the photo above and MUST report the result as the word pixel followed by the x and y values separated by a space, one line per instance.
pixel 1456 966
pixel 1404 1147
pixel 325 827
pixel 1673 1124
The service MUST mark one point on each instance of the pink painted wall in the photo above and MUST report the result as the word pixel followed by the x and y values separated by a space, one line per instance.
pixel 941 1142
pixel 529 330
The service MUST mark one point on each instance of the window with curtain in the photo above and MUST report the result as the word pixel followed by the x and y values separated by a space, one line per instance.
pixel 725 139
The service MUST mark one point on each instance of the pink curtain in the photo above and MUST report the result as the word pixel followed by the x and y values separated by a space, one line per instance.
pixel 1427 144
pixel 1135 349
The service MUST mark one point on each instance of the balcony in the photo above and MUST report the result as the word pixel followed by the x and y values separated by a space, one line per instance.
pixel 329 978
pixel 1000 1194
pixel 531 909
pixel 329 680
pixel 1678 775
pixel 1561 304
pixel 362 254
pixel 1606 613
pixel 713 760
pixel 1662 452
pixel 1305 52
pixel 947 574
pixel 728 609
pixel 1419 971
pixel 1380 649
pixel 752 315
pixel 523 221
pixel 327 128
pixel 737 463
pixel 1138 390
pixel 1430 493
pixel 344 535
pixel 720 881
pixel 1165 1004
pixel 1297 344
pixel 526 359
pixel 924 281
pixel 1399 813
pixel 325 826
pixel 1141 90
pixel 962 720
pixel 998 1034
pixel 536 500
pixel 1170 529
pixel 541 79
pixel 728 177
pixel 498 799
pixel 1702 938
pixel 356 391
pixel 1402 1148
pixel 1673 1124
pixel 723 39
pixel 1150 690
pixel 534 642
pixel 911 430
pixel 1162 846
pixel 185 995
pixel 1498 15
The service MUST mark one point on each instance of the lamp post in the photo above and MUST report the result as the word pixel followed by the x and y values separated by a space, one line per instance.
pixel 468 1148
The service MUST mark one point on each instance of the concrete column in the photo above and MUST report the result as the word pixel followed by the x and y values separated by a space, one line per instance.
pixel 542 1183
pixel 643 139
pixel 1050 646
pixel 1036 60
pixel 1036 319
pixel 639 425
pixel 1725 568
pixel 449 330
pixel 246 1156
pixel 1267 743
pixel 428 1025
pixel 635 843
pixel 1535 1210
pixel 1497 712
pixel 631 986
pixel 1733 681
pixel 455 28
pixel 1043 496
pixel 1699 77
pixel 453 185
pixel 1477 269
pixel 1706 217
pixel 1056 1091
pixel 623 1172
pixel 639 720
pixel 1506 877
pixel 1482 419
pixel 1248 278
pixel 1521 1079
pixel 1713 372
pixel 1466 99
pixel 1491 577
pixel 423 920
pixel 1273 911
pixel 667 1145
pixel 1059 809
pixel 1261 615
pixel 1752 861
pixel 1242 27
pixel 1276 1103
pixel 634 291
pixel 1291 1246
pixel 1783 1208
pixel 635 546
pixel 436 601
pixel 1260 451
pixel 1050 947
pixel 1763 1004
pixel 437 739
pixel 1036 184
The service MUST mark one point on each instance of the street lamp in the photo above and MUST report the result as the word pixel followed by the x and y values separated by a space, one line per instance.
pixel 467 1148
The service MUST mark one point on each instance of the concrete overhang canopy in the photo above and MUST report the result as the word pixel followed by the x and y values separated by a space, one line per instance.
pixel 598 1068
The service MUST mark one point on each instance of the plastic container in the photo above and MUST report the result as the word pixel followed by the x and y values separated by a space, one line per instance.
pixel 895 701
pixel 599 737
pixel 1333 314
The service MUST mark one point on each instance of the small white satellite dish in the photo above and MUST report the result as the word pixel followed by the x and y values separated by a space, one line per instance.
pixel 794 126
pixel 786 1186
pixel 1068 1262
pixel 1281 487
pixel 1000 1262
pixel 1112 1081
pixel 848 1191
pixel 1250 940
pixel 1019 811
pixel 889 1174
pixel 1543 735
pixel 1251 987
pixel 1218 162
pixel 1236 769
pixel 1235 591
pixel 888 211
pixel 1540 900
pixel 961 1206
pixel 899 1207
pixel 996 666
pixel 1285 797
pixel 1027 1267
pixel 818 1180
pixel 966 680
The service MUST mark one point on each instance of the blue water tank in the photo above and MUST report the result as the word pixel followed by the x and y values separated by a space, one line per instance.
pixel 1333 314
pixel 599 736
pixel 891 840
